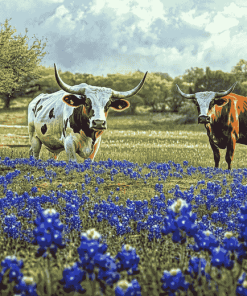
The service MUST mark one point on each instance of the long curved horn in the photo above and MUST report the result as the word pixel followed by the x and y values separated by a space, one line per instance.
pixel 130 93
pixel 67 87
pixel 191 96
pixel 222 94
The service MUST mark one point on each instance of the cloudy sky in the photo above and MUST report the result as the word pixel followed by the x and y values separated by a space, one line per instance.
pixel 121 36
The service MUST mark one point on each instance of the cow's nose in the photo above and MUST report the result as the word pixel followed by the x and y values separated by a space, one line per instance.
pixel 99 124
pixel 203 119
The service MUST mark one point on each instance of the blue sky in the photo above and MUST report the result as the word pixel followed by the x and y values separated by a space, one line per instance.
pixel 121 36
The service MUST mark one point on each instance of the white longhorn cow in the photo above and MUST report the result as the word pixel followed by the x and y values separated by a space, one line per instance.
pixel 74 118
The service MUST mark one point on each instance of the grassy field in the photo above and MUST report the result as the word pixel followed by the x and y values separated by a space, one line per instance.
pixel 140 140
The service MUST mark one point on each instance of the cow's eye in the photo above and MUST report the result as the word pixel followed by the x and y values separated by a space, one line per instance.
pixel 219 101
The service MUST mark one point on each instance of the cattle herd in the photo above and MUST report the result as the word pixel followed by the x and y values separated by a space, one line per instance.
pixel 74 118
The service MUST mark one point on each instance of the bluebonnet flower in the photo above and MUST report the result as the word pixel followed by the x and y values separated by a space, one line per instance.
pixel 107 269
pixel 205 240
pixel 220 257
pixel 174 281
pixel 91 254
pixel 242 252
pixel 124 288
pixel 26 286
pixel 230 242
pixel 215 216
pixel 185 221
pixel 11 226
pixel 34 190
pixel 193 268
pixel 99 217
pixel 155 231
pixel 114 220
pixel 48 231
pixel 14 265
pixel 9 177
pixel 242 286
pixel 128 260
pixel 72 277
pixel 75 223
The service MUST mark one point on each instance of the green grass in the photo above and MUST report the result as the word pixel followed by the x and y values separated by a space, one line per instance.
pixel 145 146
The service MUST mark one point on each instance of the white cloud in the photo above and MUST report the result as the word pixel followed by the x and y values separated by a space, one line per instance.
pixel 221 23
pixel 217 41
pixel 64 16
pixel 53 1
pixel 145 11
pixel 235 11
pixel 18 5
pixel 198 21
pixel 124 48
pixel 61 11
pixel 80 15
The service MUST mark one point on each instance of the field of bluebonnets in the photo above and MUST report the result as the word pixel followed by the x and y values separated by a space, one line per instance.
pixel 151 216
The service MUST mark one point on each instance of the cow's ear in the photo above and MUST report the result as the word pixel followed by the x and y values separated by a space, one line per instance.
pixel 73 101
pixel 119 105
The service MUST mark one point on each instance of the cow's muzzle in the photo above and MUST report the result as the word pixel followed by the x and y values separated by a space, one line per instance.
pixel 98 124
pixel 203 119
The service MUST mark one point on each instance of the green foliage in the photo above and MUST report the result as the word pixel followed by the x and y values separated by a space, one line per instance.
pixel 156 91
pixel 192 74
pixel 217 81
pixel 189 112
pixel 165 76
pixel 176 101
pixel 18 60
pixel 240 70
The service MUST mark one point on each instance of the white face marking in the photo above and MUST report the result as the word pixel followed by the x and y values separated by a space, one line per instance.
pixel 204 99
pixel 99 97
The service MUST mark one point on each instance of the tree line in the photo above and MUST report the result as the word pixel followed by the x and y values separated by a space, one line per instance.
pixel 22 75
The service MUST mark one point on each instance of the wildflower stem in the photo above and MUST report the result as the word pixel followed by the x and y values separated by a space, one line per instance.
pixel 182 257
pixel 48 276
pixel 199 276
pixel 239 271
pixel 93 286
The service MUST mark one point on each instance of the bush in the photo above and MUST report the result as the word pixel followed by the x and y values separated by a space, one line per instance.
pixel 190 114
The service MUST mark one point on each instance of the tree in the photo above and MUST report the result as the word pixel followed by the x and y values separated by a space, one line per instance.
pixel 18 61
pixel 192 74
pixel 165 76
pixel 176 100
pixel 155 91
pixel 240 70
pixel 217 81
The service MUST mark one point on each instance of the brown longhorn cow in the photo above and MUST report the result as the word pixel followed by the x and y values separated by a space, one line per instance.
pixel 224 115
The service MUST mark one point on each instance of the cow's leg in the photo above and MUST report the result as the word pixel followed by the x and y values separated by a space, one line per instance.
pixel 70 148
pixel 230 150
pixel 216 152
pixel 35 147
pixel 95 149
pixel 55 156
